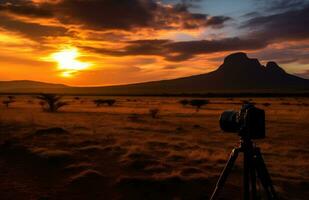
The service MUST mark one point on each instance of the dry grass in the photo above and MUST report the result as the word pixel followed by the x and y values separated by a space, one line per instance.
pixel 122 153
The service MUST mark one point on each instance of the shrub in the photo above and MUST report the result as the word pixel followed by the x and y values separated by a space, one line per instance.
pixel 52 101
pixel 184 102
pixel 198 103
pixel 154 112
pixel 100 102
pixel 245 101
pixel 11 98
pixel 266 104
pixel 110 102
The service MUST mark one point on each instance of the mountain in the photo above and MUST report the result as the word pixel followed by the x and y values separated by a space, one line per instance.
pixel 238 73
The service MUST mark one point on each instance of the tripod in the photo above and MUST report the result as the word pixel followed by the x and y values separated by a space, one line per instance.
pixel 254 167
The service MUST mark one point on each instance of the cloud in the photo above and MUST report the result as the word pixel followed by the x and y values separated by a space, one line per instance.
pixel 31 30
pixel 281 5
pixel 304 74
pixel 180 51
pixel 289 25
pixel 111 14
pixel 26 7
pixel 285 54
pixel 217 21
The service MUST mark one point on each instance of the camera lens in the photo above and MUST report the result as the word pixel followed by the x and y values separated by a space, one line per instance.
pixel 228 121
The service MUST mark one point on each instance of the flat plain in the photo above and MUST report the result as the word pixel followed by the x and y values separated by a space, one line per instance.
pixel 122 152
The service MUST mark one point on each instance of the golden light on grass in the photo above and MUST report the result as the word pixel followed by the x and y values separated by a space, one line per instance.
pixel 68 62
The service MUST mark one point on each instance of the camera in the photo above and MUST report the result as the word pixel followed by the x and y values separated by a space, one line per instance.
pixel 249 122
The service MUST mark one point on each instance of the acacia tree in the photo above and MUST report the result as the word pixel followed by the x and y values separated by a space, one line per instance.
pixel 7 103
pixel 52 101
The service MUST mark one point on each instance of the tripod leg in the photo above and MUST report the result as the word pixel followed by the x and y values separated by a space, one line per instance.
pixel 264 176
pixel 246 175
pixel 253 177
pixel 227 169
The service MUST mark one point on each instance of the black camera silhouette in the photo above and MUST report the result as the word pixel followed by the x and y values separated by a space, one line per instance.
pixel 249 122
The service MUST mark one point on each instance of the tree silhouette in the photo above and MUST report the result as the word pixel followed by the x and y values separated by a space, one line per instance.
pixel 198 103
pixel 52 101
pixel 154 112
pixel 7 103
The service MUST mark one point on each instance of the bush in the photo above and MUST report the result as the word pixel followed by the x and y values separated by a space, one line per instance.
pixel 198 103
pixel 52 101
pixel 154 112
pixel 100 102
pixel 184 102
pixel 266 104
pixel 11 98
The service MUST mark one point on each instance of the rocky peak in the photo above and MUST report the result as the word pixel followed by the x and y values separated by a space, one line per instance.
pixel 274 68
pixel 236 57
pixel 240 63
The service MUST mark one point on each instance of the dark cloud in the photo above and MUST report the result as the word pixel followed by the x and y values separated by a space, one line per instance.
pixel 217 21
pixel 251 14
pixel 180 51
pixel 107 14
pixel 186 50
pixel 26 7
pixel 137 47
pixel 31 30
pixel 290 25
pixel 281 5
pixel 111 14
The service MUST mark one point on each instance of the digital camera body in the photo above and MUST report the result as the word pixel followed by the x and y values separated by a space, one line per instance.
pixel 249 122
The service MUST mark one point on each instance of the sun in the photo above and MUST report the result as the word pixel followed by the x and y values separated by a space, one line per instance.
pixel 68 62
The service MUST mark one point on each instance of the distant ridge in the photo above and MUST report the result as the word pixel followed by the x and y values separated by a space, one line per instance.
pixel 28 86
pixel 237 74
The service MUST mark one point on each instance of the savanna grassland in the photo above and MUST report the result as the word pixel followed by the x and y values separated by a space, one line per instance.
pixel 123 152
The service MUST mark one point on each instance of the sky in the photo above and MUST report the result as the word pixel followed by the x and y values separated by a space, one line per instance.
pixel 111 42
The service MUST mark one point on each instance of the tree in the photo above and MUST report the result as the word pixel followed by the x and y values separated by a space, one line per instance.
pixel 7 103
pixel 154 112
pixel 184 102
pixel 198 103
pixel 52 101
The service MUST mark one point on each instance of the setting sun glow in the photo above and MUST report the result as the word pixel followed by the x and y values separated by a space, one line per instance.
pixel 68 62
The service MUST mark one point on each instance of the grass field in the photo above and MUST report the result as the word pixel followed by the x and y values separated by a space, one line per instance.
pixel 121 152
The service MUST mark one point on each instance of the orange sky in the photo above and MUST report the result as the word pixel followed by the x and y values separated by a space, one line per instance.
pixel 107 43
